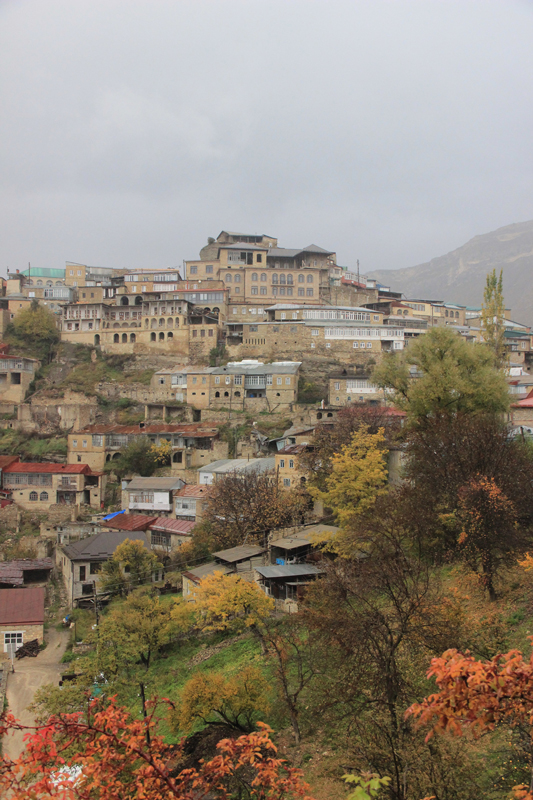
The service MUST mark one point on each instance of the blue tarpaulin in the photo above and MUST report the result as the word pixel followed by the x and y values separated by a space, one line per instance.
pixel 110 516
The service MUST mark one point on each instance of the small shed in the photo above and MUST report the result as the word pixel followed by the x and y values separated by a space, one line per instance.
pixel 23 571
pixel 286 584
pixel 191 578
pixel 21 617
pixel 241 559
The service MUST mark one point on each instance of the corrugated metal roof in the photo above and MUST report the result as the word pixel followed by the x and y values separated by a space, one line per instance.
pixel 197 574
pixel 168 525
pixel 157 484
pixel 229 465
pixel 276 368
pixel 130 522
pixel 240 553
pixel 289 571
pixel 102 546
pixel 194 491
pixel 22 606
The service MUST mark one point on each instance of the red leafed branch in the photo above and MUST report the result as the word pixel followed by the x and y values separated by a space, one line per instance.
pixel 109 757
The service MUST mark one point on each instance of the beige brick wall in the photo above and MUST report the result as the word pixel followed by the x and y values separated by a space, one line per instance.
pixel 29 632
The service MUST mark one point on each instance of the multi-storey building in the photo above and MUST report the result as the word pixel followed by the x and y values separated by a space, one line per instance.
pixel 16 374
pixel 192 444
pixel 347 386
pixel 38 486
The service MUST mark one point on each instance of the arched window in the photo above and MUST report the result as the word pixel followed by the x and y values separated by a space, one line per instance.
pixel 282 279
pixel 226 394
pixel 301 278
pixel 263 276
pixel 216 310
pixel 132 338
pixel 161 336
pixel 154 323
pixel 170 335
pixel 319 415
pixel 254 276
pixel 124 338
pixel 170 322
pixel 97 339
pixel 161 323
pixel 138 300
pixel 49 283
pixel 34 496
pixel 124 301
pixel 177 322
pixel 309 279
pixel 274 278
pixel 237 394
pixel 217 394
pixel 228 277
pixel 39 283
pixel 116 339
pixel 44 497
pixel 177 458
pixel 152 336
pixel 237 278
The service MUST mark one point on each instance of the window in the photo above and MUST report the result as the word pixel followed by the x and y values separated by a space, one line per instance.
pixel 376 317
pixel 217 378
pixel 287 381
pixel 309 292
pixel 263 290
pixel 315 332
pixel 286 481
pixel 12 641
pixel 235 310
pixel 274 278
pixel 74 443
pixel 97 440
pixel 83 573
pixel 279 381
pixel 209 269
pixel 309 279
pixel 254 276
pixel 291 464
pixel 34 496
pixel 289 291
pixel 237 278
pixel 282 463
pixel 44 497
pixel 254 290
pixel 263 277
pixel 259 258
pixel 328 344
pixel 228 379
pixel 95 568
pixel 269 380
pixel 337 386
pixel 194 269
pixel 301 292
pixel 282 279
pixel 312 345
pixel 237 290
pixel 356 345
pixel 301 278
pixel 84 442
pixel 237 380
pixel 283 315
pixel 253 328
pixel 194 380
pixel 228 277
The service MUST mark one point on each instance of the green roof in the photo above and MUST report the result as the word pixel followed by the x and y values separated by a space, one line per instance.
pixel 42 272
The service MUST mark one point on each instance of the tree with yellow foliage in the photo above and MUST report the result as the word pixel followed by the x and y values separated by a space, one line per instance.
pixel 358 477
pixel 131 565
pixel 238 701
pixel 227 602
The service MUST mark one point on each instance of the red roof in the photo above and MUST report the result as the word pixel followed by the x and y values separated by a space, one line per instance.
pixel 527 402
pixel 191 429
pixel 22 606
pixel 130 522
pixel 183 526
pixel 5 461
pixel 69 469
pixel 193 490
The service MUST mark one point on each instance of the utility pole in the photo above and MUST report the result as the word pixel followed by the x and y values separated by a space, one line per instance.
pixel 96 603
pixel 357 270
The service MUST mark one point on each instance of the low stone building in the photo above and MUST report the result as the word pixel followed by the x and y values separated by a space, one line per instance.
pixel 286 584
pixel 190 502
pixel 21 617
pixel 352 386
pixel 16 374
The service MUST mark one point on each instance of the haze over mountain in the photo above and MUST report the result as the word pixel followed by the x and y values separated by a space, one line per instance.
pixel 460 276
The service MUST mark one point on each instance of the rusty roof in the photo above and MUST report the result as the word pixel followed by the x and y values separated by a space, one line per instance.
pixel 193 490
pixel 130 522
pixel 292 450
pixel 53 468
pixel 193 429
pixel 167 525
pixel 22 606
pixel 5 461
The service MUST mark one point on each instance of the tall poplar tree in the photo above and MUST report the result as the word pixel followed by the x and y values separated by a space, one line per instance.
pixel 493 316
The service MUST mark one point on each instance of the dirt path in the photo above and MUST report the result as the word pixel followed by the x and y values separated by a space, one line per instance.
pixel 30 674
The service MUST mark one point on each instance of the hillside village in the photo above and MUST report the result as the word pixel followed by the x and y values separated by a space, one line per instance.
pixel 180 428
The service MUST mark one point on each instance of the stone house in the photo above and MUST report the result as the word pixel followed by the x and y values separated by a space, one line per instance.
pixel 80 562
pixel 21 617
pixel 167 534
pixel 522 411
pixel 289 472
pixel 16 374
pixel 352 386
pixel 151 495
pixel 37 486
pixel 287 583
pixel 193 444
pixel 190 502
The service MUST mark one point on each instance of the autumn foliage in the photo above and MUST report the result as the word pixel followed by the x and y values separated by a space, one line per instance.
pixel 120 757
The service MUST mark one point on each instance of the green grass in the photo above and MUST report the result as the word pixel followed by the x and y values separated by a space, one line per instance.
pixel 31 446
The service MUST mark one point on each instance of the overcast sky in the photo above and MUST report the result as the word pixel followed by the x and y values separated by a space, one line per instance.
pixel 131 131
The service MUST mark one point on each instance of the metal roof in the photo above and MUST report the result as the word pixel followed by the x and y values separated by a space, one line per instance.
pixel 44 272
pixel 276 368
pixel 167 525
pixel 157 484
pixel 130 522
pixel 197 574
pixel 229 465
pixel 78 469
pixel 240 553
pixel 241 245
pixel 22 606
pixel 289 571
pixel 193 490
pixel 102 546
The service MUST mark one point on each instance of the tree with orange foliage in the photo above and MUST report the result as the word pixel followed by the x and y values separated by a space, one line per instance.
pixel 489 535
pixel 118 756
pixel 479 696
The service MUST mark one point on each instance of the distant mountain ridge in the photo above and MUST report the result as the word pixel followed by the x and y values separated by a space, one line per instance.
pixel 459 276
